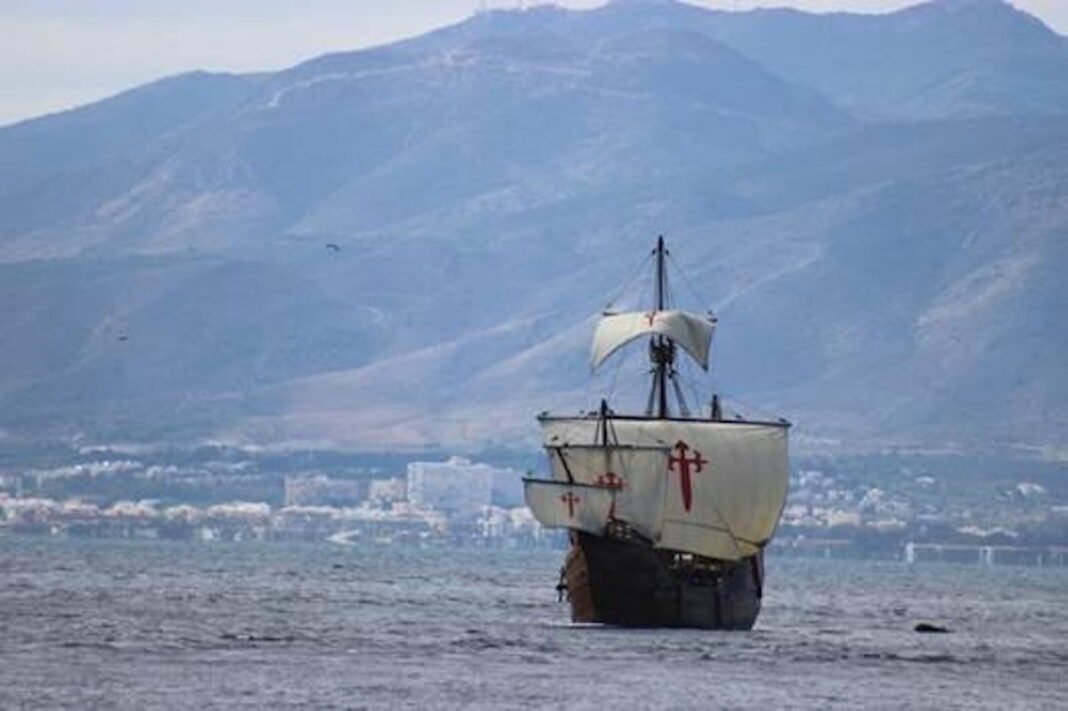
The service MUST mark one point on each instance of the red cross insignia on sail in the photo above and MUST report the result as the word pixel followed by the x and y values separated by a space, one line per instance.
pixel 685 467
pixel 611 480
pixel 570 499
pixel 650 317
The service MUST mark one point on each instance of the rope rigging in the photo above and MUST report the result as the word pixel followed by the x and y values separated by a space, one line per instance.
pixel 670 377
pixel 679 386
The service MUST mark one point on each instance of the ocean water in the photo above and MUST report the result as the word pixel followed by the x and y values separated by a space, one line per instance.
pixel 135 625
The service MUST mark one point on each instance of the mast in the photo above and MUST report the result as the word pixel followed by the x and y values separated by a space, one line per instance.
pixel 602 427
pixel 660 276
pixel 666 330
pixel 661 349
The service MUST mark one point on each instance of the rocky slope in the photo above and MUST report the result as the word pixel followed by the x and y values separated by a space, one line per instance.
pixel 404 246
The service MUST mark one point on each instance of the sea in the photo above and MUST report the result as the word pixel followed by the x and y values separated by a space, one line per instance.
pixel 159 625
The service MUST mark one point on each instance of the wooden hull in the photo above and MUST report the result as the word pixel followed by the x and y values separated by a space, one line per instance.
pixel 627 582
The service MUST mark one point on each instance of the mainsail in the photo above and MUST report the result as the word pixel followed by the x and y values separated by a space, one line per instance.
pixel 637 477
pixel 690 332
pixel 562 505
pixel 725 485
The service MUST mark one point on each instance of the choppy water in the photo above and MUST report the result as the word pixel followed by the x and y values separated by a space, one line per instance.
pixel 155 625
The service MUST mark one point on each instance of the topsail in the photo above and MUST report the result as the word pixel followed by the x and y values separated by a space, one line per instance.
pixel 690 332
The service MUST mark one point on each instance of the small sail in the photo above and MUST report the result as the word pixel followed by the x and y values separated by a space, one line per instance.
pixel 638 475
pixel 726 481
pixel 577 506
pixel 690 332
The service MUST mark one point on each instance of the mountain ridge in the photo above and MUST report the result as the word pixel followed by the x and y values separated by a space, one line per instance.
pixel 879 260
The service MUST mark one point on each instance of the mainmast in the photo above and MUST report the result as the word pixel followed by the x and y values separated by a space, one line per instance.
pixel 661 349
pixel 668 330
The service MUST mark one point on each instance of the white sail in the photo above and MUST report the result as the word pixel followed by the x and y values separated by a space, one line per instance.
pixel 690 332
pixel 637 474
pixel 726 482
pixel 560 505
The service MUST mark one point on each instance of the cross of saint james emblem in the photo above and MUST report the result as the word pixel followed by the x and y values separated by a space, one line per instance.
pixel 685 467
pixel 611 480
pixel 570 499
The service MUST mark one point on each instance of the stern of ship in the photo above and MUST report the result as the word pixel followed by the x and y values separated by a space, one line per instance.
pixel 624 581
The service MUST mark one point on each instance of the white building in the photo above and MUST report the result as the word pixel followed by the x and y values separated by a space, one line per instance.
pixel 321 490
pixel 457 487
pixel 381 492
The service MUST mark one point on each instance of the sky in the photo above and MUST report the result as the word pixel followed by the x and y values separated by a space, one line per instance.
pixel 55 54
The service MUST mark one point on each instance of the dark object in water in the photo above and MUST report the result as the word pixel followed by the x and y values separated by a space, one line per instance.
pixel 927 627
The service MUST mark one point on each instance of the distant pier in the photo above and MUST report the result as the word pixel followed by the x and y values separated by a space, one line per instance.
pixel 913 552
pixel 986 555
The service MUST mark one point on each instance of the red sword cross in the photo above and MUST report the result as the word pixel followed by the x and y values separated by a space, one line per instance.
pixel 611 480
pixel 570 499
pixel 685 467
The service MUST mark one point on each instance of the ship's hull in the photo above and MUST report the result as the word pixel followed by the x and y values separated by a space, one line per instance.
pixel 627 582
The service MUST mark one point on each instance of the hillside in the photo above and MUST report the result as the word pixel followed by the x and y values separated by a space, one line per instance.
pixel 876 207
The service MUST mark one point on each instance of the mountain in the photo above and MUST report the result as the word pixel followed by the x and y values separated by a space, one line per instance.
pixel 404 246
pixel 949 58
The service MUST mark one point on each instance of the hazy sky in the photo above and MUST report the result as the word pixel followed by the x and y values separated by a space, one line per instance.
pixel 59 53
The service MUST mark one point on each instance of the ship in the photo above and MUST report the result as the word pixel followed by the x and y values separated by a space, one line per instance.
pixel 668 512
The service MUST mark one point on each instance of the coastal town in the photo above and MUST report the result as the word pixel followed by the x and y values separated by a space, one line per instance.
pixel 457 501
pixel 433 503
